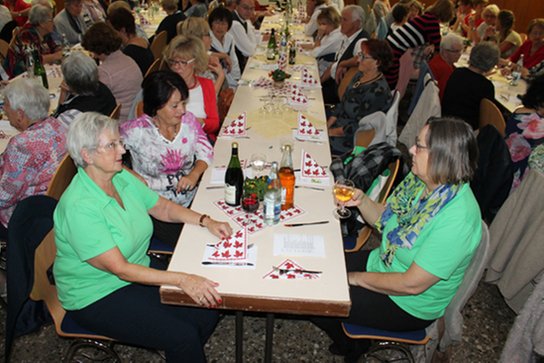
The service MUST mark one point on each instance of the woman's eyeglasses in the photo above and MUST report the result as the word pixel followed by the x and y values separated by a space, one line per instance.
pixel 420 147
pixel 363 56
pixel 177 63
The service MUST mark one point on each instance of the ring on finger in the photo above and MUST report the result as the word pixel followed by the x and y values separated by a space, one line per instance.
pixel 201 299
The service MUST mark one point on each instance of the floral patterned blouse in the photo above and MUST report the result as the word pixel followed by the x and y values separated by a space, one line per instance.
pixel 524 132
pixel 16 57
pixel 30 160
pixel 162 162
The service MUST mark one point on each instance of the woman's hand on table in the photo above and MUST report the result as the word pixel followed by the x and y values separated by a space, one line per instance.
pixel 200 289
pixel 219 229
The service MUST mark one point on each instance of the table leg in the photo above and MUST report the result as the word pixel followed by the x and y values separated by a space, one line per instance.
pixel 239 336
pixel 269 338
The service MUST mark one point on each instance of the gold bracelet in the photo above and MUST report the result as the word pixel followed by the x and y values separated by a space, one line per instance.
pixel 201 220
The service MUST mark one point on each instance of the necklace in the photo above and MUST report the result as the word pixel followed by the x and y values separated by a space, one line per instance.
pixel 361 81
pixel 194 84
pixel 167 132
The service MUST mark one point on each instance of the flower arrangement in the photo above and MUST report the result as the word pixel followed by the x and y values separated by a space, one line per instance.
pixel 279 75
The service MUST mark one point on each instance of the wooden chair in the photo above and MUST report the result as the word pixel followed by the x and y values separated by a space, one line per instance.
pixel 62 178
pixel 155 66
pixel 44 289
pixel 350 73
pixel 140 109
pixel 491 115
pixel 116 112
pixel 4 47
pixel 366 231
pixel 159 43
pixel 364 137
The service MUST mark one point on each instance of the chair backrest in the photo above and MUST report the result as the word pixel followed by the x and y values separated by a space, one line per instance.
pixel 116 112
pixel 386 189
pixel 155 66
pixel 159 43
pixel 44 288
pixel 391 119
pixel 348 76
pixel 364 137
pixel 4 46
pixel 62 178
pixel 453 317
pixel 491 115
pixel 371 130
pixel 140 108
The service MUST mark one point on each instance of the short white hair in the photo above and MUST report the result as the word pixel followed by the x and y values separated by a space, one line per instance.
pixel 28 96
pixel 357 13
pixel 84 133
pixel 450 40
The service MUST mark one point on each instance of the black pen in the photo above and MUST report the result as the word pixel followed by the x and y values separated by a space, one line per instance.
pixel 227 263
pixel 304 224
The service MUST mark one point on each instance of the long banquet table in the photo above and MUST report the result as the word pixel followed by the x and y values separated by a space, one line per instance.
pixel 245 288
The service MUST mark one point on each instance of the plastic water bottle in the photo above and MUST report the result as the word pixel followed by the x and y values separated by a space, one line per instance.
pixel 272 198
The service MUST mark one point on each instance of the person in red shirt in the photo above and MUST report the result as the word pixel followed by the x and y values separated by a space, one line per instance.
pixel 19 10
pixel 533 48
pixel 442 64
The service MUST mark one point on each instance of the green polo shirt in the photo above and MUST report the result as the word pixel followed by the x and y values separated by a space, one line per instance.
pixel 444 248
pixel 88 223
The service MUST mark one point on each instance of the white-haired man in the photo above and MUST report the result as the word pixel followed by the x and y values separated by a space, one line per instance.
pixel 442 64
pixel 351 25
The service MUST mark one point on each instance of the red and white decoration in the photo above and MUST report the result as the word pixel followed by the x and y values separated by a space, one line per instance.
pixel 310 168
pixel 233 248
pixel 306 128
pixel 297 98
pixel 282 61
pixel 307 79
pixel 290 270
pixel 236 128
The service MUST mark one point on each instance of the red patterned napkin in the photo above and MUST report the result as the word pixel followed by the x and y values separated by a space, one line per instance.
pixel 282 61
pixel 290 270
pixel 233 248
pixel 310 168
pixel 236 128
pixel 297 98
pixel 306 128
pixel 308 79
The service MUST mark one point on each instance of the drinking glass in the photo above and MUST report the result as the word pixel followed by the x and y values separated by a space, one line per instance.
pixel 343 191
pixel 257 163
pixel 250 204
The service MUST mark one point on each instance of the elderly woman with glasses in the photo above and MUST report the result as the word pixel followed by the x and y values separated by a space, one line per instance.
pixel 31 157
pixel 81 90
pixel 186 55
pixel 167 145
pixel 430 227
pixel 367 93
pixel 37 33
pixel 116 70
pixel 104 277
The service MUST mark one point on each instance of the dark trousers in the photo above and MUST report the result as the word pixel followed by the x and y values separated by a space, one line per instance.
pixel 368 308
pixel 166 232
pixel 135 315
pixel 329 88
pixel 3 233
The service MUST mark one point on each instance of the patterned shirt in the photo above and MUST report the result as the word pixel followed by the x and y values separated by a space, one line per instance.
pixel 15 62
pixel 30 160
pixel 162 162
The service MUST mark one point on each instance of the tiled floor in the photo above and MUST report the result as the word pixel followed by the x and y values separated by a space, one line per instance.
pixel 487 322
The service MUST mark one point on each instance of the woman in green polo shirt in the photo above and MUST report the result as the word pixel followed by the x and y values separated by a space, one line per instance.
pixel 102 231
pixel 431 226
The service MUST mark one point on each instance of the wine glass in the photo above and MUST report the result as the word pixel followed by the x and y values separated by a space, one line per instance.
pixel 343 191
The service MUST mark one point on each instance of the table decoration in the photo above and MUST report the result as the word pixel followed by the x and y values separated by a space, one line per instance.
pixel 290 270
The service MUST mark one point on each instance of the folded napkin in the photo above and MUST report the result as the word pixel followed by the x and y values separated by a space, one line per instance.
pixel 306 129
pixel 290 270
pixel 236 128
pixel 297 98
pixel 310 168
pixel 233 248
pixel 307 79
pixel 282 61
pixel 262 82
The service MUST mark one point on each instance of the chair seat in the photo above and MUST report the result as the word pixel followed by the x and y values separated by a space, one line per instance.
pixel 160 247
pixel 349 242
pixel 71 328
pixel 364 332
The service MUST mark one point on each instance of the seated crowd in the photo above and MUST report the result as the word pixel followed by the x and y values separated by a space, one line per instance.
pixel 169 120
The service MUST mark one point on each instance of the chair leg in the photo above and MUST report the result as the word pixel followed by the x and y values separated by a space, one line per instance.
pixel 389 352
pixel 95 351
